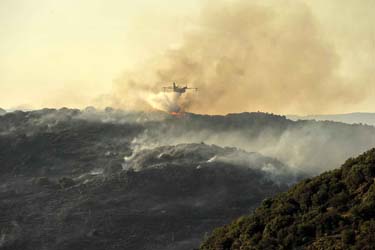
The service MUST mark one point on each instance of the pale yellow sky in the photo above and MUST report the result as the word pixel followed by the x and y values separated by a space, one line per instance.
pixel 68 52
pixel 50 49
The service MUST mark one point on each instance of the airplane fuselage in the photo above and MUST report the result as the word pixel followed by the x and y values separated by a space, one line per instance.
pixel 179 90
pixel 175 88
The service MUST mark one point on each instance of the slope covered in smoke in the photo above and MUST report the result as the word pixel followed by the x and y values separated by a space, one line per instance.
pixel 203 155
pixel 303 145
pixel 57 142
pixel 168 198
pixel 332 211
pixel 74 179
pixel 308 146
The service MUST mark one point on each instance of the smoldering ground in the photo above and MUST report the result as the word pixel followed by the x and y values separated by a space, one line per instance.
pixel 247 55
pixel 68 165
pixel 305 146
pixel 103 180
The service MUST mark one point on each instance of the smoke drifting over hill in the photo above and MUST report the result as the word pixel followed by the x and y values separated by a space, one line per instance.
pixel 94 179
pixel 247 56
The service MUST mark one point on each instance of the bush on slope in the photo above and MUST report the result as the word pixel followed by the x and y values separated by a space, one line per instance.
pixel 335 210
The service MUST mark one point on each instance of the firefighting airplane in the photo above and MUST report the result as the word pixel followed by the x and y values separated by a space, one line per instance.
pixel 177 89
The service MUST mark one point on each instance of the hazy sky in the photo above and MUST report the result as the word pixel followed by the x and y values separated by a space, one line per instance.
pixel 68 52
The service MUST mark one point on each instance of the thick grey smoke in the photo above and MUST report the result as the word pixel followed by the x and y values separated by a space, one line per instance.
pixel 247 56
pixel 308 147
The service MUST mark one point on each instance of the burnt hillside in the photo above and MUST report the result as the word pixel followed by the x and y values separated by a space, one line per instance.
pixel 72 179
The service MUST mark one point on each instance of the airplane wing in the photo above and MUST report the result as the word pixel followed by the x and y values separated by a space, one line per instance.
pixel 167 88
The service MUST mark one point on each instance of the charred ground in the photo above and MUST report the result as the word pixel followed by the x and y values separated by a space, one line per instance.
pixel 75 179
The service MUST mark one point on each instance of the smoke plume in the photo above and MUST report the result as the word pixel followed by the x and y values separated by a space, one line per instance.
pixel 245 56
pixel 169 102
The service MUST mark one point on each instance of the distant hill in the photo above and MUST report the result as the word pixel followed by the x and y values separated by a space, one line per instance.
pixel 351 118
pixel 335 210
